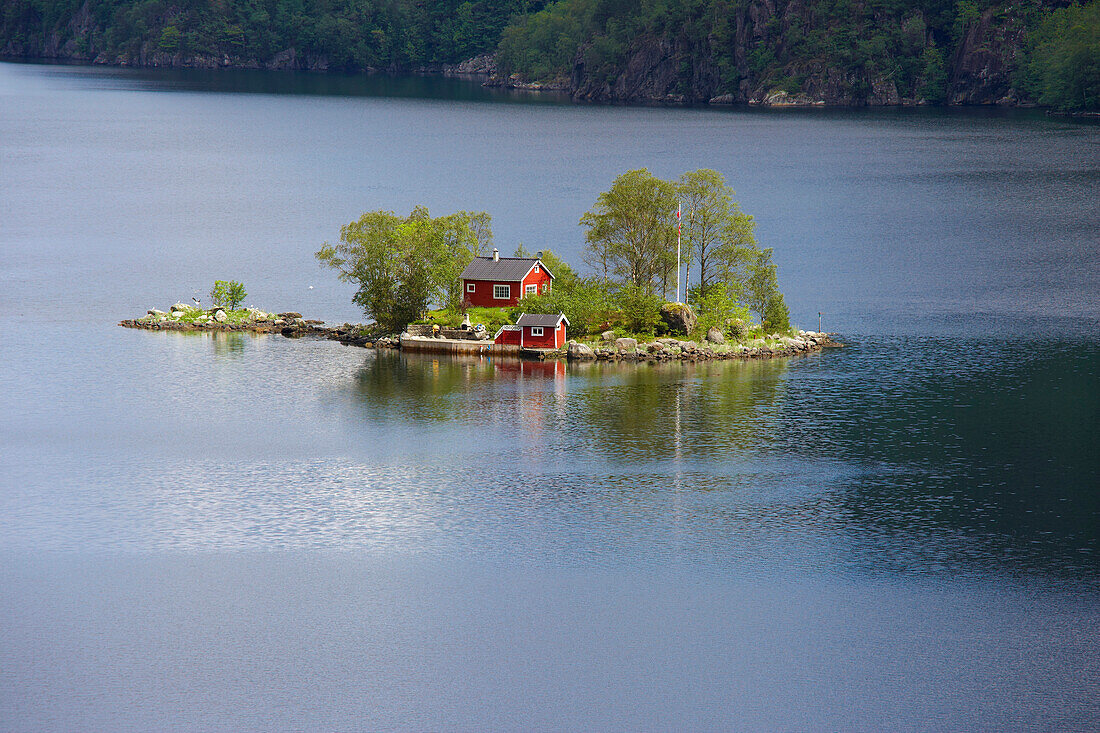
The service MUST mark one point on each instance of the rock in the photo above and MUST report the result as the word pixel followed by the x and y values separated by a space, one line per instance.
pixel 576 351
pixel 626 344
pixel 180 307
pixel 714 335
pixel 155 312
pixel 220 317
pixel 679 318
pixel 289 315
pixel 607 336
pixel 280 322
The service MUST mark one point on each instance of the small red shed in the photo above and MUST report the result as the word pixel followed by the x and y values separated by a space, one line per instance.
pixel 534 331
pixel 498 282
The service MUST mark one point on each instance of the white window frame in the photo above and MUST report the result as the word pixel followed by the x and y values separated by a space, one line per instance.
pixel 471 287
pixel 536 330
pixel 545 286
pixel 498 289
pixel 536 268
pixel 531 289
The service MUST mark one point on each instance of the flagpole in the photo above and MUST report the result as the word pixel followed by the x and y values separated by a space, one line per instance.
pixel 679 227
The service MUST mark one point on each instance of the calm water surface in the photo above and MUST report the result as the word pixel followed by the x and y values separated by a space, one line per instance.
pixel 255 533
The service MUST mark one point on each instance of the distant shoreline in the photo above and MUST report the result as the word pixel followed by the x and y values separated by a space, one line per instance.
pixel 776 100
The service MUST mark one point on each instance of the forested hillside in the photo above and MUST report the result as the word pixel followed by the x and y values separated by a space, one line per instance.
pixel 836 52
pixel 324 35
pixel 844 52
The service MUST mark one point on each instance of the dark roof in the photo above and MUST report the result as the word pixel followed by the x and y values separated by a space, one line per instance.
pixel 544 320
pixel 506 269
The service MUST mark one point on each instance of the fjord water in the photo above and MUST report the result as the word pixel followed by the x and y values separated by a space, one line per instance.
pixel 231 533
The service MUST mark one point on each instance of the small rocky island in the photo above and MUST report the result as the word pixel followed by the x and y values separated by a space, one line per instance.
pixel 608 347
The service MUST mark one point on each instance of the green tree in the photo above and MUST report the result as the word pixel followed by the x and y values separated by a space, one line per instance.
pixel 227 294
pixel 716 308
pixel 632 231
pixel 564 275
pixel 1063 68
pixel 463 236
pixel 717 234
pixel 762 292
pixel 586 302
pixel 639 308
pixel 402 264
pixel 932 85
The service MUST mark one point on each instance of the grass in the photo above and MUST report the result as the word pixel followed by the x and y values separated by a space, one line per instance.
pixel 493 318
pixel 197 315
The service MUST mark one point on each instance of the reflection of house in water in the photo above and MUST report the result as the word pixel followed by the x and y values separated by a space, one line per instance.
pixel 537 403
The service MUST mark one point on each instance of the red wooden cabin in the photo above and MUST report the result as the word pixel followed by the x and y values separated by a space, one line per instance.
pixel 498 282
pixel 535 331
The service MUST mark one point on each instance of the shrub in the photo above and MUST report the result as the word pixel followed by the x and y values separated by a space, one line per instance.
pixel 227 294
pixel 640 309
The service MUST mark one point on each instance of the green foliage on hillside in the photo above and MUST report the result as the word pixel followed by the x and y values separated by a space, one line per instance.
pixel 889 37
pixel 350 34
pixel 848 50
pixel 1063 67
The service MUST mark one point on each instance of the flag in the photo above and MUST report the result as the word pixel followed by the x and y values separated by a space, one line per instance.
pixel 679 221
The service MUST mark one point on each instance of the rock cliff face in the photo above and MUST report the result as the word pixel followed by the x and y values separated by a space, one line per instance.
pixel 682 69
pixel 985 59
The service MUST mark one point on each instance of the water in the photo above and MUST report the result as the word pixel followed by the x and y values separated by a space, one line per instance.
pixel 239 532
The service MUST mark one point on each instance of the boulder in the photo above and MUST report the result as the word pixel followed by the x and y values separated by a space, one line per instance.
pixel 607 336
pixel 289 315
pixel 220 317
pixel 714 335
pixel 678 317
pixel 626 344
pixel 180 307
pixel 155 312
pixel 576 351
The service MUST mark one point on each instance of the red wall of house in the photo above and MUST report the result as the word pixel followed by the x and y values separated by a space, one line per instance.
pixel 482 297
pixel 508 337
pixel 551 338
pixel 536 279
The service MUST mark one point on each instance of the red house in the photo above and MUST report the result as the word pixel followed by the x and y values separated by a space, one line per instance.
pixel 534 331
pixel 497 282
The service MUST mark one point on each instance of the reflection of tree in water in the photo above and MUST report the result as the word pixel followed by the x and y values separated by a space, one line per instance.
pixel 640 412
pixel 972 457
pixel 228 344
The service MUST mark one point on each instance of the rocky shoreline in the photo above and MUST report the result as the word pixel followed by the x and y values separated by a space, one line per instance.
pixel 610 348
pixel 715 348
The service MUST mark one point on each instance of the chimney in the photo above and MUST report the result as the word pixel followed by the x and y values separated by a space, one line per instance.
pixel 496 255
